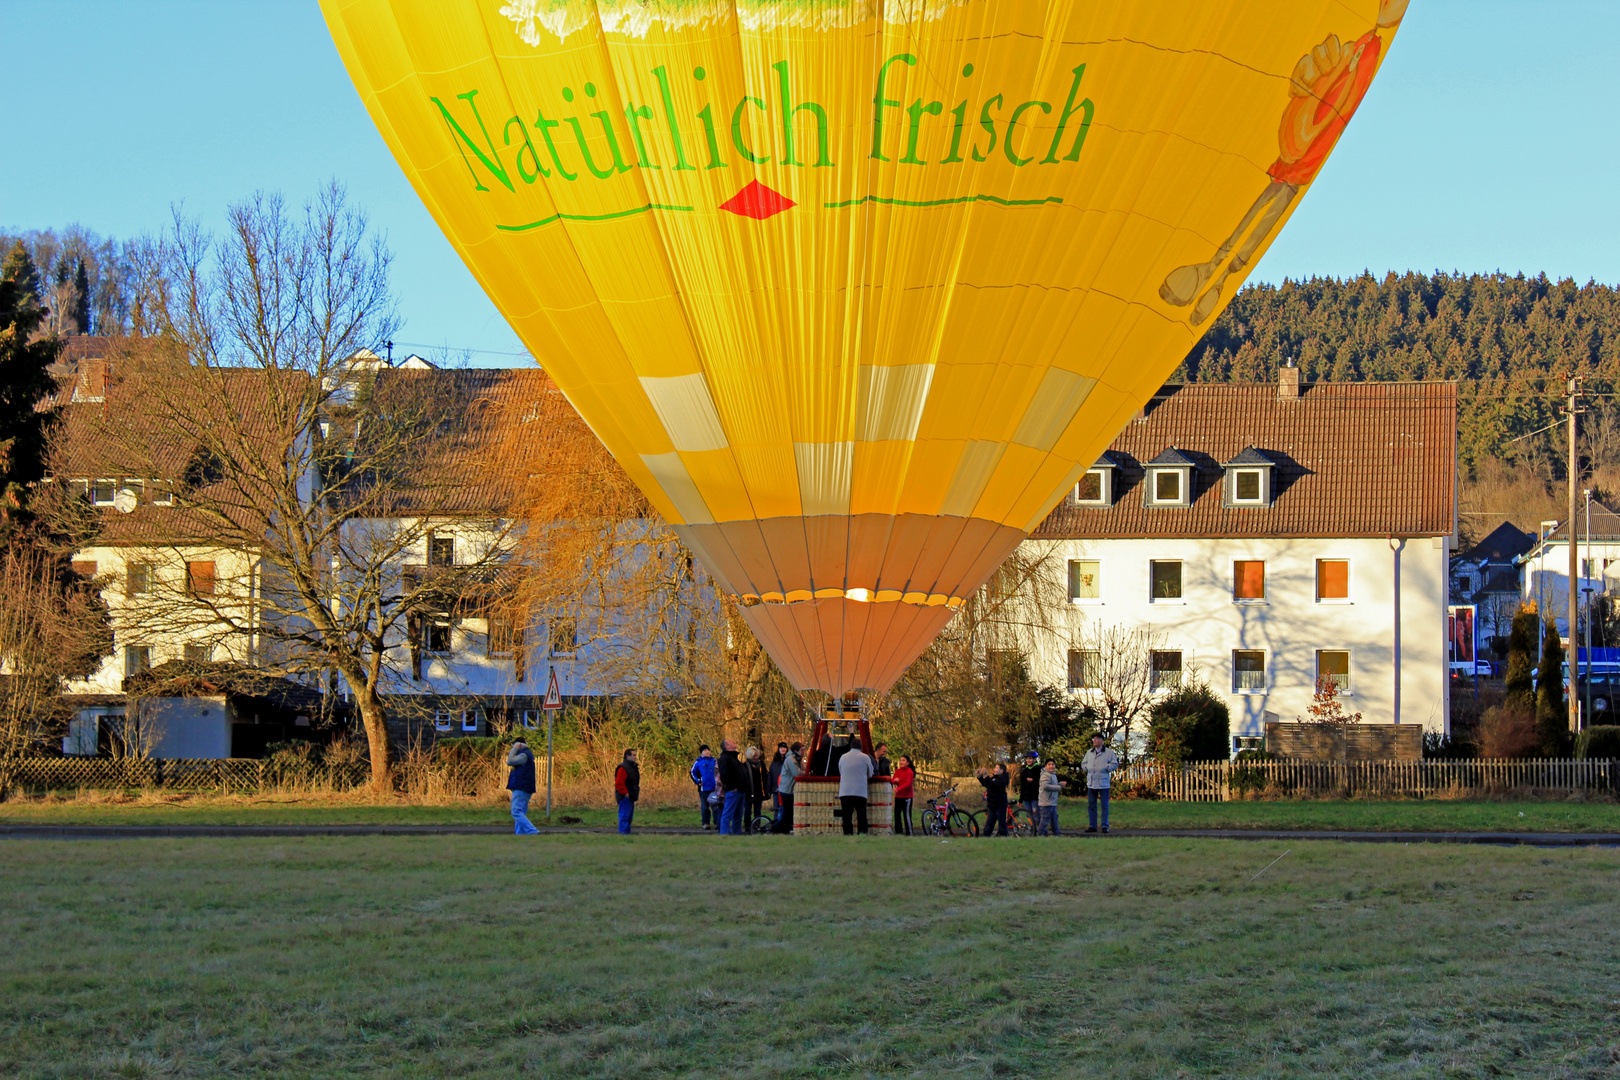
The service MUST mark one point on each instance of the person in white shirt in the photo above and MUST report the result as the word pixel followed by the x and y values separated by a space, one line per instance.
pixel 854 773
pixel 1097 764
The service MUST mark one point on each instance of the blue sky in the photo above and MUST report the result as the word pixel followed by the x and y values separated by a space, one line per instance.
pixel 1487 143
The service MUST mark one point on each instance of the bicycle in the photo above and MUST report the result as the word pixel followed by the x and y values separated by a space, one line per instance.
pixel 945 818
pixel 1019 823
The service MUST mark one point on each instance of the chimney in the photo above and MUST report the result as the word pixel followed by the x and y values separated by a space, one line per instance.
pixel 1288 381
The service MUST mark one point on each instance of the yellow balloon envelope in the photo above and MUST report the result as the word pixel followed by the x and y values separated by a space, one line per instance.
pixel 856 291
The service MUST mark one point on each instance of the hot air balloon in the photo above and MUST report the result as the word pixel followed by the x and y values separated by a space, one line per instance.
pixel 856 291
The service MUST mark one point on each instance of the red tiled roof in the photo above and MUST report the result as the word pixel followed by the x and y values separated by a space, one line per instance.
pixel 1352 460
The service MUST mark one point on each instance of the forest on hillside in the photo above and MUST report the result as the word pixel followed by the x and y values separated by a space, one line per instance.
pixel 1511 342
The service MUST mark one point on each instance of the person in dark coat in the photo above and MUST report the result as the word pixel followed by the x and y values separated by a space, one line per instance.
pixel 881 765
pixel 627 788
pixel 734 781
pixel 773 783
pixel 1029 785
pixel 758 779
pixel 994 783
pixel 520 782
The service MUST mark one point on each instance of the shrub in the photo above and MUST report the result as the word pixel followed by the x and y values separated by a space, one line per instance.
pixel 1518 680
pixel 1191 724
pixel 1599 743
pixel 1508 730
pixel 1552 714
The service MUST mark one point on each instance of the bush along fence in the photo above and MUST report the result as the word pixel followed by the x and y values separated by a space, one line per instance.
pixel 1223 781
pixel 184 774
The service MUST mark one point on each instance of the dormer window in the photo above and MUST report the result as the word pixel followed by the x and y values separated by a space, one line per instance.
pixel 1169 480
pixel 1096 487
pixel 1248 479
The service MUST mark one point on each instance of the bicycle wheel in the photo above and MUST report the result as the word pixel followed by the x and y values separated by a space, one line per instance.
pixel 763 824
pixel 930 823
pixel 1020 824
pixel 962 823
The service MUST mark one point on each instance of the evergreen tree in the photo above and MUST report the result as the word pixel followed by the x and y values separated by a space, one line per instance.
pixel 1519 682
pixel 1552 716
pixel 79 313
pixel 25 380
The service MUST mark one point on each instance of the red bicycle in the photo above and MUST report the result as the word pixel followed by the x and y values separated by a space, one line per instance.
pixel 945 818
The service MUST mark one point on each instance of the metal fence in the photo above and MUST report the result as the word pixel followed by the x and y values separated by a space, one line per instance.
pixel 182 774
pixel 1222 781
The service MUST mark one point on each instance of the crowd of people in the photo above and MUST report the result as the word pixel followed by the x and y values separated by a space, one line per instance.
pixel 734 788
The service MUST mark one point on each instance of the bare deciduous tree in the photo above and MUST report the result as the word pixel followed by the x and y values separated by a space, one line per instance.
pixel 1116 675
pixel 310 484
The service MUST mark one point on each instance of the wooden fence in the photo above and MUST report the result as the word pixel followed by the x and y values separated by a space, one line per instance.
pixel 1222 781
pixel 182 774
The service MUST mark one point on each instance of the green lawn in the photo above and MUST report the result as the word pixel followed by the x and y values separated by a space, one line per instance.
pixel 599 956
pixel 1416 816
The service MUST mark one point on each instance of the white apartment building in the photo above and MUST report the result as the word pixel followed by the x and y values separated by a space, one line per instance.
pixel 1263 536
pixel 1544 569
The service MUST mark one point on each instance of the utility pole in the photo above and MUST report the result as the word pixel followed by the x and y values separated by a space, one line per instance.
pixel 1572 694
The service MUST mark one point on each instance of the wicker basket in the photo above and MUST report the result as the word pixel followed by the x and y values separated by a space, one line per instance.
pixel 816 810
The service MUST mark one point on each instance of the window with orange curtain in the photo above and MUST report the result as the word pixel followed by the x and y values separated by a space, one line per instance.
pixel 1248 579
pixel 1333 579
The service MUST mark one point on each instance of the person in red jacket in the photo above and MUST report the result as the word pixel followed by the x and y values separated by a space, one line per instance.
pixel 905 777
pixel 627 786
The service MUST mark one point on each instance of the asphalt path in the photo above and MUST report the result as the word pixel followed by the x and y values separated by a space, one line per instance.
pixel 180 832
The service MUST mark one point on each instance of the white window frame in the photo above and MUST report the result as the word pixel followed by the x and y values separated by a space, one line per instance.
pixel 1170 600
pixel 1260 499
pixel 113 486
pixel 162 493
pixel 1316 583
pixel 469 720
pixel 1092 600
pixel 1241 743
pixel 1265 586
pixel 444 720
pixel 1104 485
pixel 1183 485
pixel 1265 673
pixel 1180 670
pixel 434 620
pixel 1350 669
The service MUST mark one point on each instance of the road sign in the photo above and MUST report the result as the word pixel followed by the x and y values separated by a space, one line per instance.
pixel 553 695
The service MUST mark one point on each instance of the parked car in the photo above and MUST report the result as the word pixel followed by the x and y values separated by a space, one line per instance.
pixel 1467 669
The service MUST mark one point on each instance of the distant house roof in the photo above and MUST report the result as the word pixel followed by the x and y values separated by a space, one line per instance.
pixel 1605 525
pixel 1504 543
pixel 1350 459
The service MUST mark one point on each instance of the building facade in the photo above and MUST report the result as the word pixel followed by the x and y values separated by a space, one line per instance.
pixel 1260 538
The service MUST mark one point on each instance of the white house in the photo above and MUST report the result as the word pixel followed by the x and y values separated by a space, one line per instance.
pixel 1544 569
pixel 1265 536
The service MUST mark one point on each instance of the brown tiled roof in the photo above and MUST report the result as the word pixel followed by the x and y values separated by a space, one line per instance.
pixel 1605 525
pixel 1352 459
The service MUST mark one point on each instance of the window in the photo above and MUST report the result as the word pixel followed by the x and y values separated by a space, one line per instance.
pixel 1334 664
pixel 1083 580
pixel 1166 579
pixel 1167 486
pixel 564 637
pixel 1085 669
pixel 85 568
pixel 443 721
pixel 199 654
pixel 1092 488
pixel 504 638
pixel 83 734
pixel 200 578
pixel 1248 670
pixel 441 551
pixel 162 494
pixel 137 578
pixel 136 490
pixel 1166 670
pixel 529 718
pixel 103 492
pixel 1241 743
pixel 469 721
pixel 1248 580
pixel 1332 579
pixel 81 488
pixel 1248 486
pixel 137 658
pixel 436 634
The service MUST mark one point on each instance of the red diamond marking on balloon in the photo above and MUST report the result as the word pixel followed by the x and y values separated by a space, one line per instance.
pixel 757 201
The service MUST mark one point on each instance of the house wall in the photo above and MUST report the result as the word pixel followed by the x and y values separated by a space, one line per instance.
pixel 1206 625
pixel 163 617
pixel 1545 579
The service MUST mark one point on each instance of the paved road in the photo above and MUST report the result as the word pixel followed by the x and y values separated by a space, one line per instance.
pixel 136 832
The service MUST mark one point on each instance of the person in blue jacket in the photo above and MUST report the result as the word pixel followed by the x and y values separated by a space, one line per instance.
pixel 520 782
pixel 703 776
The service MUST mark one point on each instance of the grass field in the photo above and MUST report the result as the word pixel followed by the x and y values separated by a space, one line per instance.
pixel 599 956
pixel 1423 816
